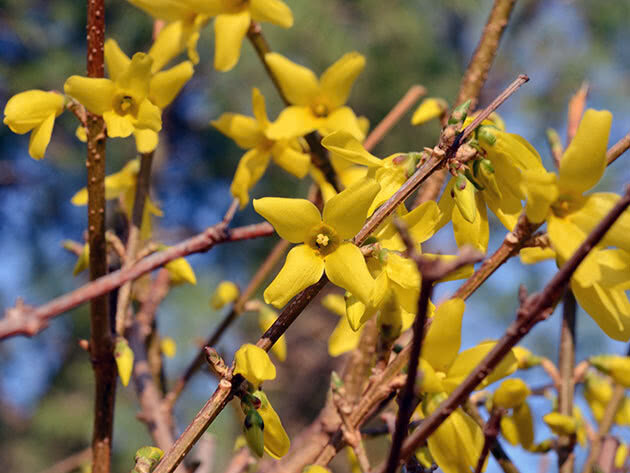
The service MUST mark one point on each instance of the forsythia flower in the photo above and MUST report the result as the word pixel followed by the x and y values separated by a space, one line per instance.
pixel 498 176
pixel 600 281
pixel 34 111
pixel 254 364
pixel 225 293
pixel 324 245
pixel 131 101
pixel 122 184
pixel 443 369
pixel 598 392
pixel 315 104
pixel 429 109
pixel 249 133
pixel 344 338
pixel 276 440
pixel 233 18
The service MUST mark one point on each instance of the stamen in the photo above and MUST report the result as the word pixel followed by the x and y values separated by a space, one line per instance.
pixel 322 240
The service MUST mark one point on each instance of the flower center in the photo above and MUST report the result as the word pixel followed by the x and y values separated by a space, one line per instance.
pixel 323 239
pixel 320 110
pixel 125 104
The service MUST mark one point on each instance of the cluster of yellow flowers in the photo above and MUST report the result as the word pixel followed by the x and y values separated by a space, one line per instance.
pixel 495 170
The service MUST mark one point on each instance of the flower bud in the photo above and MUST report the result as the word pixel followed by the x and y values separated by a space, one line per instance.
pixel 225 293
pixel 526 359
pixel 124 360
pixel 464 196
pixel 460 113
pixel 146 459
pixel 168 347
pixel 621 455
pixel 429 109
pixel 618 367
pixel 511 393
pixel 254 364
pixel 315 469
pixel 485 133
pixel 561 424
pixel 253 427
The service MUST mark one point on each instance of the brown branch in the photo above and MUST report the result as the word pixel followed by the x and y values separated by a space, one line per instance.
pixel 394 115
pixel 477 71
pixel 101 342
pixel 491 431
pixel 143 184
pixel 535 309
pixel 618 149
pixel 566 363
pixel 24 320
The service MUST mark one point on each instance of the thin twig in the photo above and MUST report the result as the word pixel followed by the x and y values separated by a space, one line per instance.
pixel 536 308
pixel 24 320
pixel 491 432
pixel 394 115
pixel 71 463
pixel 618 149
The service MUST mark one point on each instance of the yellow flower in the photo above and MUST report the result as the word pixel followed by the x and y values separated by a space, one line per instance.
pixel 617 367
pixel 276 440
pixel 225 293
pixel 518 426
pixel 510 393
pixel 179 270
pixel 324 245
pixel 233 18
pixel 429 109
pixel 131 101
pixel 266 318
pixel 599 282
pixel 124 356
pixel 344 338
pixel 496 185
pixel 34 111
pixel 440 351
pixel 254 364
pixel 315 104
pixel 122 185
pixel 248 133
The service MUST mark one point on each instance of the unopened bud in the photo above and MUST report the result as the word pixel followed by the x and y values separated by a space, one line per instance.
pixel 485 134
pixel 460 113
pixel 511 393
pixel 225 293
pixel 146 459
pixel 561 424
pixel 253 428
pixel 124 360
pixel 618 367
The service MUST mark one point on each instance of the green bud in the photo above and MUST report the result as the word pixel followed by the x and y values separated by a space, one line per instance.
pixel 147 459
pixel 460 113
pixel 486 166
pixel 461 182
pixel 473 181
pixel 336 380
pixel 485 133
pixel 253 428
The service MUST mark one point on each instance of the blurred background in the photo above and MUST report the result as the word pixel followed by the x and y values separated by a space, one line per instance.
pixel 46 382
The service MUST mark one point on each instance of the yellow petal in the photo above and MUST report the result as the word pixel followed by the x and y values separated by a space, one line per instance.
pixel 117 125
pixel 614 265
pixel 566 238
pixel 475 234
pixel 173 39
pixel 467 360
pixel 266 318
pixel 429 109
pixel 609 308
pixel 336 81
pixel 593 209
pixel 27 110
pixel 356 312
pixel 277 441
pixel 273 11
pixel 342 118
pixel 541 190
pixel 346 146
pixel 291 218
pixel 317 468
pixel 518 428
pixel 465 201
pixel 390 178
pixel 146 140
pixel 254 364
pixel 343 339
pixel 536 255
pixel 442 342
pixel 346 268
pixel 299 85
pixel 245 131
pixel 124 360
pixel 250 169
pixel 402 271
pixel 584 161
pixel 302 269
pixel 164 9
pixel 166 85
pixel 115 59
pixel 293 121
pixel 83 261
pixel 422 221
pixel 229 31
pixel 347 211
pixel 259 108
pixel 561 424
pixel 430 381
pixel 149 116
pixel 180 271
pixel 168 347
pixel 458 433
pixel 97 95
pixel 225 293
pixel 617 367
pixel 335 303
pixel 291 159
pixel 511 393
pixel 40 137
pixel 135 78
